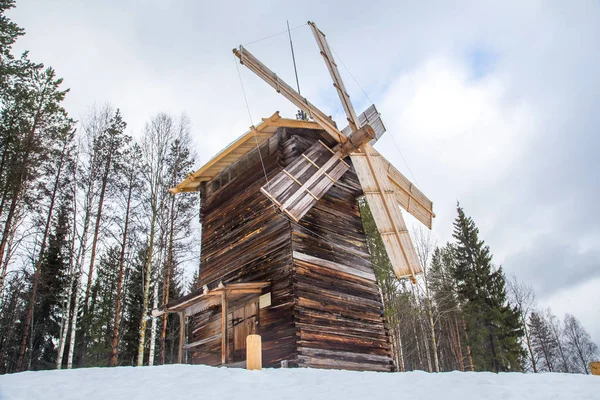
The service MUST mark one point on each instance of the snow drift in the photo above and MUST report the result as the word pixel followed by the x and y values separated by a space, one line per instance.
pixel 201 382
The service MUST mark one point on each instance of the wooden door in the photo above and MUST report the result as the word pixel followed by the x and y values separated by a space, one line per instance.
pixel 244 321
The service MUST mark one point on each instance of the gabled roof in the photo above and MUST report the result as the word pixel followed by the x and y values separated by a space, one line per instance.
pixel 239 148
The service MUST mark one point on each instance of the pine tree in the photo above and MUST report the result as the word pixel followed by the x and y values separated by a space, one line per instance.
pixel 110 146
pixel 130 186
pixel 60 160
pixel 52 284
pixel 180 212
pixel 493 326
pixel 131 322
pixel 102 309
pixel 445 296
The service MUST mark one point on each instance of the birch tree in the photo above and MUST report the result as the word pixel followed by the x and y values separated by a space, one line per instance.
pixel 156 140
pixel 523 297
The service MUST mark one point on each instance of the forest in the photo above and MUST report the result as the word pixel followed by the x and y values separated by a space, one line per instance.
pixel 91 240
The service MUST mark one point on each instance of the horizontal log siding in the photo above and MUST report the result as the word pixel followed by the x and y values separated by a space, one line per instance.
pixel 338 309
pixel 244 239
pixel 326 310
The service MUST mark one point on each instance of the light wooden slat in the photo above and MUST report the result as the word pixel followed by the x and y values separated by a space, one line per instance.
pixel 336 77
pixel 368 275
pixel 297 188
pixel 380 195
pixel 261 70
pixel 407 195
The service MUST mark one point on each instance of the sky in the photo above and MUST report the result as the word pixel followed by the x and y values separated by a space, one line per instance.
pixel 493 104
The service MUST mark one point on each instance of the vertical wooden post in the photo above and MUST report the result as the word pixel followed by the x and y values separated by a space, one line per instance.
pixel 253 352
pixel 224 341
pixel 181 336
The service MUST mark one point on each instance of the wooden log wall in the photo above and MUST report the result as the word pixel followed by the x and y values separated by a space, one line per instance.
pixel 244 240
pixel 338 310
pixel 326 310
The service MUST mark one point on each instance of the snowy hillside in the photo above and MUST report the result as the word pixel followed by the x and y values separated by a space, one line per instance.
pixel 186 381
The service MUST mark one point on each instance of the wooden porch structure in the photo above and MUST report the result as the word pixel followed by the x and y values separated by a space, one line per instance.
pixel 195 302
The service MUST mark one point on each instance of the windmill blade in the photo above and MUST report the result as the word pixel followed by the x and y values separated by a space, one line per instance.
pixel 380 195
pixel 369 117
pixel 261 70
pixel 299 186
pixel 336 77
pixel 407 195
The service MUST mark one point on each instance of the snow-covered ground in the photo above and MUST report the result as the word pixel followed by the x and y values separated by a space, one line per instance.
pixel 200 382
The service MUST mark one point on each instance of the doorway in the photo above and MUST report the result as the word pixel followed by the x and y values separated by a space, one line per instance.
pixel 244 321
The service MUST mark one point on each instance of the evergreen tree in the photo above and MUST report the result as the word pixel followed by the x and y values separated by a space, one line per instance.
pixel 130 324
pixel 493 326
pixel 102 308
pixel 53 282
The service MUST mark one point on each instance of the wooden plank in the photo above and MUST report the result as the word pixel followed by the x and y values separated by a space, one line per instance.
pixel 380 196
pixel 253 352
pixel 293 193
pixel 333 265
pixel 407 195
pixel 224 341
pixel 248 60
pixel 181 336
pixel 245 239
pixel 336 77
pixel 201 342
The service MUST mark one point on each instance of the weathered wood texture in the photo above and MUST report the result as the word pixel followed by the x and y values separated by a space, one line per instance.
pixel 338 310
pixel 244 239
pixel 325 310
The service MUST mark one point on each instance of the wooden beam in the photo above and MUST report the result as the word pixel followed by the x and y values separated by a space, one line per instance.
pixel 196 176
pixel 380 183
pixel 261 70
pixel 201 342
pixel 196 297
pixel 181 336
pixel 381 197
pixel 224 328
pixel 292 123
pixel 336 77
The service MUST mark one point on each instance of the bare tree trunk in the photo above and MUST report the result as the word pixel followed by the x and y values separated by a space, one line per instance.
pixel 6 234
pixel 79 272
pixel 147 276
pixel 401 365
pixel 461 361
pixel 38 264
pixel 18 184
pixel 9 253
pixel 154 324
pixel 167 279
pixel 470 358
pixel 425 245
pixel 93 253
pixel 436 360
pixel 115 336
pixel 64 326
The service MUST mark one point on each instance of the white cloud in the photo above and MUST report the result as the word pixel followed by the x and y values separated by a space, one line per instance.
pixel 517 146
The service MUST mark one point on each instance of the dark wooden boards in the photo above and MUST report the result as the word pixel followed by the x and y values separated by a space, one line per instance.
pixel 338 308
pixel 326 309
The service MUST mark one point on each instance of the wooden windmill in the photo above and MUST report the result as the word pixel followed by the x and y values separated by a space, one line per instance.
pixel 294 191
pixel 299 273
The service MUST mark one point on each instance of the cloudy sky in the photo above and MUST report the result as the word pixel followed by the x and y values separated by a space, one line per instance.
pixel 495 105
